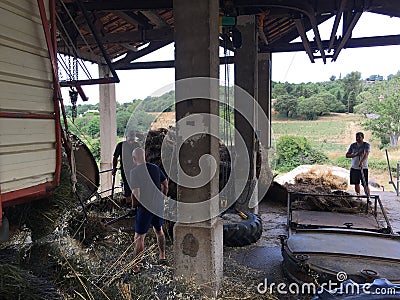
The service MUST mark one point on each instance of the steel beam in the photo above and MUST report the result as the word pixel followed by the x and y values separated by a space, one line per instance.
pixel 163 64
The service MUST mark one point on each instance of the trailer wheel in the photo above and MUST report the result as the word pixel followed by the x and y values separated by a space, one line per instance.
pixel 239 232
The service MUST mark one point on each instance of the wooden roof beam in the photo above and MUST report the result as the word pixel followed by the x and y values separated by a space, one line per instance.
pixel 129 5
pixel 131 55
pixel 336 23
pixel 131 37
pixel 318 38
pixel 304 39
pixel 374 41
pixel 155 18
pixel 347 35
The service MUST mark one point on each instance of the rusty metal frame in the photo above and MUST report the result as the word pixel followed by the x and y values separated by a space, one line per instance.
pixel 375 213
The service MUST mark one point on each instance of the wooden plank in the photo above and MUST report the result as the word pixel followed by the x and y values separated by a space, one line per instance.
pixel 29 169
pixel 24 98
pixel 20 63
pixel 13 160
pixel 28 9
pixel 23 80
pixel 25 183
pixel 21 29
pixel 29 44
pixel 10 149
pixel 26 131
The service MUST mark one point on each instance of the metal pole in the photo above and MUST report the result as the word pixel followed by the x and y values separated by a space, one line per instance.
pixel 390 173
pixel 398 179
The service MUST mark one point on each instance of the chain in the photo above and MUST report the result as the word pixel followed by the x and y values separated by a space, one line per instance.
pixel 73 95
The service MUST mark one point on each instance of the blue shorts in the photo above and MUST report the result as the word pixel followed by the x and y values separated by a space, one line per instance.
pixel 144 219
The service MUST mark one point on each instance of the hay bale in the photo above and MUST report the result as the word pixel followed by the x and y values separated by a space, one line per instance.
pixel 322 177
pixel 18 283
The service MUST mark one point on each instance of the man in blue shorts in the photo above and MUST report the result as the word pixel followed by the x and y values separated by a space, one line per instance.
pixel 149 185
pixel 358 152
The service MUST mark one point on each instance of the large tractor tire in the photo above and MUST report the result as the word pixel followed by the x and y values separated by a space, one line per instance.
pixel 242 230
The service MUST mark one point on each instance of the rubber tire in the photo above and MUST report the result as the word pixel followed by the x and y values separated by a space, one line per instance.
pixel 243 233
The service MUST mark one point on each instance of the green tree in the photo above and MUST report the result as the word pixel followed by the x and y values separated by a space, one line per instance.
pixel 332 104
pixel 140 121
pixel 311 108
pixel 93 128
pixel 351 101
pixel 382 110
pixel 122 120
pixel 286 105
pixel 351 83
pixel 95 149
pixel 293 151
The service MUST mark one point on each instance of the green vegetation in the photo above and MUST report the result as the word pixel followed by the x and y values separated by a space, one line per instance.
pixel 293 151
pixel 322 134
pixel 310 100
pixel 381 108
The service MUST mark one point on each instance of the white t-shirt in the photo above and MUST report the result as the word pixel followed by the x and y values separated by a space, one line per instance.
pixel 355 161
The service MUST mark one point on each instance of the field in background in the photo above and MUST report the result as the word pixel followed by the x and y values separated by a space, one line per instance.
pixel 333 134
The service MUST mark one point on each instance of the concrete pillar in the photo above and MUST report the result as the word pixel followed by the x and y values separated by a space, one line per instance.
pixel 264 121
pixel 108 128
pixel 198 246
pixel 246 78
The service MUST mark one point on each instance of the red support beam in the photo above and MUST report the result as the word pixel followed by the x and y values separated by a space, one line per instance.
pixel 27 195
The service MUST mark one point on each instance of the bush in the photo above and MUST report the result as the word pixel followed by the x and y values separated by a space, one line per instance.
pixel 293 151
pixel 342 162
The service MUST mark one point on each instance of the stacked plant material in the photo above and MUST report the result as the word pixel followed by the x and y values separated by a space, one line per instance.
pixel 157 153
pixel 313 201
pixel 316 177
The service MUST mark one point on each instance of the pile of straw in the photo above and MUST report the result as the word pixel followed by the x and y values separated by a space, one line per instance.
pixel 322 177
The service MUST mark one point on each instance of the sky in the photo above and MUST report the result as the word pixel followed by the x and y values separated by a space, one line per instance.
pixel 293 67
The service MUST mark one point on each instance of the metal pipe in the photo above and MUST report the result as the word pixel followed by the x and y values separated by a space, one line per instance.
pixel 385 216
pixel 398 177
pixel 105 171
pixel 390 173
